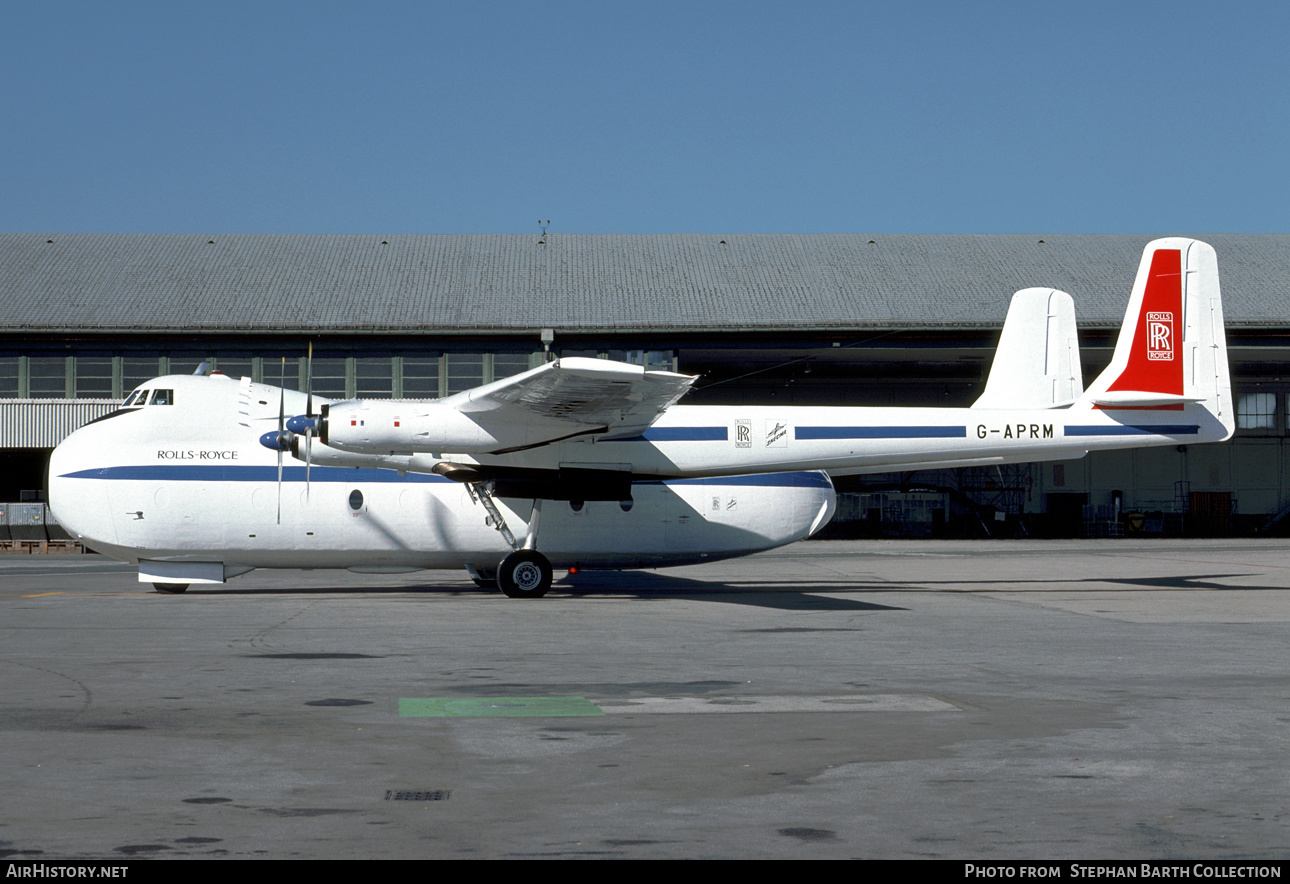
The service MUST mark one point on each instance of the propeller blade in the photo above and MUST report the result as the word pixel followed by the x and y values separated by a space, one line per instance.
pixel 309 382
pixel 309 412
pixel 282 425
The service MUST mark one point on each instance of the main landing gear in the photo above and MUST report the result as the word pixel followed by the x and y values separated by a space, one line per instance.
pixel 525 573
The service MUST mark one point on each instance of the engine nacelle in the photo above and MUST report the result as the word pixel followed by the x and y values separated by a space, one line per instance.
pixel 381 427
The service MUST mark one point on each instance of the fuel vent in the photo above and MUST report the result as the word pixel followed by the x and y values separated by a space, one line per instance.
pixel 418 794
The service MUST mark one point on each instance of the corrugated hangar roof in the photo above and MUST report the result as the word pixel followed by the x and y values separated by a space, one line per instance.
pixel 445 284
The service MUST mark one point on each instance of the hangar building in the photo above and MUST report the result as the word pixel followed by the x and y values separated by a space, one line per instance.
pixel 845 319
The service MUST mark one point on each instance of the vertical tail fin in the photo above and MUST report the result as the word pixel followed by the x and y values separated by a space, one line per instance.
pixel 1172 349
pixel 1037 362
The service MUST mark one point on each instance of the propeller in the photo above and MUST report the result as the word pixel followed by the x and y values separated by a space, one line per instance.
pixel 309 413
pixel 282 419
pixel 306 424
pixel 282 439
pixel 290 429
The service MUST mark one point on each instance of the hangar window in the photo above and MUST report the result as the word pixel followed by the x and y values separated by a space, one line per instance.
pixel 1257 411
pixel 233 367
pixel 47 376
pixel 465 370
pixel 507 364
pixel 277 372
pixel 329 377
pixel 135 370
pixel 185 364
pixel 653 360
pixel 93 377
pixel 420 377
pixel 10 387
pixel 373 377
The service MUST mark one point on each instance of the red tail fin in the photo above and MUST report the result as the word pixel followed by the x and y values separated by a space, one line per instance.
pixel 1155 357
pixel 1171 353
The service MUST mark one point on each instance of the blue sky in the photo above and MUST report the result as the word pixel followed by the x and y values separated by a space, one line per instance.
pixel 658 117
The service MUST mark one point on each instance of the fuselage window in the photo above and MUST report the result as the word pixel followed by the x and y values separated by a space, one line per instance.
pixel 356 500
pixel 138 397
pixel 163 397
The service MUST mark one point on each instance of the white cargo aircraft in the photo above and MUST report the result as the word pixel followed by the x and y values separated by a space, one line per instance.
pixel 588 463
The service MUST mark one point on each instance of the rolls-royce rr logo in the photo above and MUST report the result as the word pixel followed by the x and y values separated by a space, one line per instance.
pixel 1160 335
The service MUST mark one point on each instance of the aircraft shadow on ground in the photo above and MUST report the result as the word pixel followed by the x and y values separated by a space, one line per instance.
pixel 640 585
pixel 804 595
pixel 1086 584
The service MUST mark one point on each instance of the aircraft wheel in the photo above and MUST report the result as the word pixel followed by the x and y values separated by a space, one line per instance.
pixel 524 574
pixel 170 588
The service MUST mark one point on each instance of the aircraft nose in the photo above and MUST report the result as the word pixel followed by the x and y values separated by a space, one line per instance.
pixel 77 498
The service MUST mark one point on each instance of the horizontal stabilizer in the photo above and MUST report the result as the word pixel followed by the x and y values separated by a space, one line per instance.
pixel 1140 399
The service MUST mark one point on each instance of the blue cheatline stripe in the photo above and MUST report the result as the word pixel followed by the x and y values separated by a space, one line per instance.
pixel 218 473
pixel 880 432
pixel 683 434
pixel 228 473
pixel 1125 430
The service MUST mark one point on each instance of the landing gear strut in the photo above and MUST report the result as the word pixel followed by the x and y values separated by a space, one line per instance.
pixel 525 573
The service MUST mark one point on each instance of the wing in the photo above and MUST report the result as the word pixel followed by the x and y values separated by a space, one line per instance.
pixel 564 399
pixel 575 396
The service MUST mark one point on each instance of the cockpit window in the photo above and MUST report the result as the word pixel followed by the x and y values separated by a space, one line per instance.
pixel 163 397
pixel 138 397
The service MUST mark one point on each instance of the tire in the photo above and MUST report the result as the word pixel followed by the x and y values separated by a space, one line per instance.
pixel 170 588
pixel 524 574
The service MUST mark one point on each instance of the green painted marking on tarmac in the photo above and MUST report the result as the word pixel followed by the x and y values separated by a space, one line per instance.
pixel 496 707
